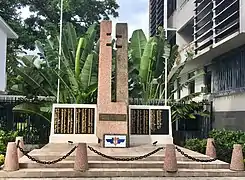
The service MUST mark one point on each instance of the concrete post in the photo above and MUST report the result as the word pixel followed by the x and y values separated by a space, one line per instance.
pixel 237 163
pixel 170 161
pixel 210 149
pixel 11 162
pixel 81 158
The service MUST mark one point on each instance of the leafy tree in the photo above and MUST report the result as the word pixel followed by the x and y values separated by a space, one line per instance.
pixel 147 72
pixel 46 15
pixel 45 21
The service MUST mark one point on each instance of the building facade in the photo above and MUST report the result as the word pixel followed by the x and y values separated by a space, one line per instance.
pixel 214 31
pixel 5 33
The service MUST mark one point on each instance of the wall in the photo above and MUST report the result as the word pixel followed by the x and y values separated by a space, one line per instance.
pixel 229 112
pixel 183 14
pixel 199 83
pixel 3 45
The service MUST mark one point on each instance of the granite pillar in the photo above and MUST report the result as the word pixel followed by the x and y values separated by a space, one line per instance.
pixel 11 162
pixel 81 158
pixel 112 116
pixel 170 160
pixel 210 149
pixel 237 163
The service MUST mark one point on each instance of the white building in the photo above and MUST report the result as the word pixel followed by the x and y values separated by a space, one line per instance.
pixel 5 33
pixel 214 30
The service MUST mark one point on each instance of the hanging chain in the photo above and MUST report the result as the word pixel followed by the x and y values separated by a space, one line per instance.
pixel 193 158
pixel 46 162
pixel 125 159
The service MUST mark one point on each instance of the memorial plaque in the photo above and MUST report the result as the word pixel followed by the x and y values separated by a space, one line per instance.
pixel 112 117
pixel 115 140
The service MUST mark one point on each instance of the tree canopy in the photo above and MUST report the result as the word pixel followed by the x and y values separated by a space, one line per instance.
pixel 46 14
pixel 44 21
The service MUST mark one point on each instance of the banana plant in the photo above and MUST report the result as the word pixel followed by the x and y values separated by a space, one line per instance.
pixel 146 76
pixel 77 73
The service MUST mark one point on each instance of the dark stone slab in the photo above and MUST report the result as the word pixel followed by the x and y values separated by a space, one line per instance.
pixel 112 117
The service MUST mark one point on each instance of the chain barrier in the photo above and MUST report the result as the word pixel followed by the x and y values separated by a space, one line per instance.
pixel 125 159
pixel 45 162
pixel 193 158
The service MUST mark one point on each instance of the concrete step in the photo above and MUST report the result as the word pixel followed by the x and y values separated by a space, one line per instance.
pixel 126 164
pixel 100 158
pixel 115 172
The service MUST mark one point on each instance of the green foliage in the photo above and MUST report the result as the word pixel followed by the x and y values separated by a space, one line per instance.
pixel 78 72
pixel 44 21
pixel 2 159
pixel 45 17
pixel 182 110
pixel 147 74
pixel 6 137
pixel 224 141
pixel 198 145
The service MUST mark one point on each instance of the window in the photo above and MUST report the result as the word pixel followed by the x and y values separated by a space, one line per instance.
pixel 179 89
pixel 207 81
pixel 229 72
pixel 191 86
pixel 171 7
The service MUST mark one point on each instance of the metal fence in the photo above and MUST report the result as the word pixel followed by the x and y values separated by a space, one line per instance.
pixel 33 128
pixel 36 129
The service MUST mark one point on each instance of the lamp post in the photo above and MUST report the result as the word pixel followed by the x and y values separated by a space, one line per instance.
pixel 60 48
pixel 166 29
pixel 165 24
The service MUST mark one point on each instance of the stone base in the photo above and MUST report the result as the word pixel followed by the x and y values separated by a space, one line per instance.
pixel 92 138
pixel 101 167
pixel 149 139
pixel 76 138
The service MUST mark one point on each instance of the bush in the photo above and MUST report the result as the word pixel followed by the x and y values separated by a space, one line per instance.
pixel 6 137
pixel 224 141
pixel 198 145
pixel 1 159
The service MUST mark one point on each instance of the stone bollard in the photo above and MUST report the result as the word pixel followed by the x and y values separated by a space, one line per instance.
pixel 11 162
pixel 237 163
pixel 210 148
pixel 81 158
pixel 21 144
pixel 170 161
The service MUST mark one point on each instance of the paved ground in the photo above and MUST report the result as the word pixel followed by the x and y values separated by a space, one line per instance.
pixel 131 178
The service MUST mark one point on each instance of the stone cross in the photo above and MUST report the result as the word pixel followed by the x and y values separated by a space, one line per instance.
pixel 112 116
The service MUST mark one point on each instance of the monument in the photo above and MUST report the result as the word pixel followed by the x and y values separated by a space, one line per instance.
pixel 111 124
pixel 112 116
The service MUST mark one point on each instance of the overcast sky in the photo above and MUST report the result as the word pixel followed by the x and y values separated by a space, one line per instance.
pixel 133 12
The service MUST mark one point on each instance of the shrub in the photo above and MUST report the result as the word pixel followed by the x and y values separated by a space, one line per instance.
pixel 1 159
pixel 224 141
pixel 6 137
pixel 198 145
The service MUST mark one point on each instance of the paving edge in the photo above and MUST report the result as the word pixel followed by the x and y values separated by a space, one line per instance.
pixel 70 173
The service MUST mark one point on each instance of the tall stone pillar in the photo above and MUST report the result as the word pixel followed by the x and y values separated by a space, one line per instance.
pixel 112 116
pixel 122 63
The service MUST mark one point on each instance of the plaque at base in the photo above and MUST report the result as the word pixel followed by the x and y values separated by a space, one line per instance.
pixel 115 140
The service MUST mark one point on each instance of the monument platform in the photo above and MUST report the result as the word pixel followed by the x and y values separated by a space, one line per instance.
pixel 99 166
